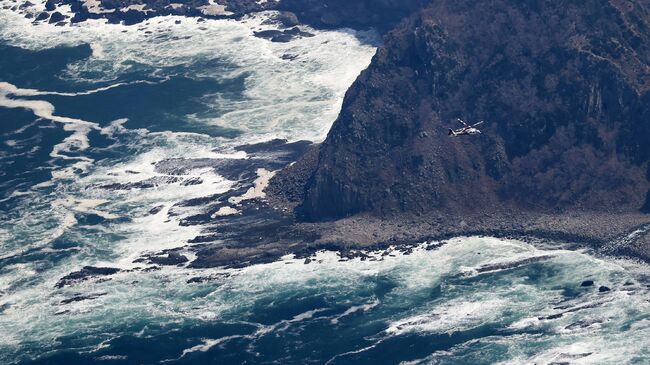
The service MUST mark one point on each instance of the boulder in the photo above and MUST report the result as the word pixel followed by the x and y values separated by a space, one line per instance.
pixel 56 17
pixel 43 16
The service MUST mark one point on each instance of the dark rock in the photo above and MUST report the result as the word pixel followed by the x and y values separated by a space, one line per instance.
pixel 172 258
pixel 49 5
pixel 192 181
pixel 156 209
pixel 358 14
pixel 581 324
pixel 42 16
pixel 297 32
pixel 79 297
pixel 56 17
pixel 114 17
pixel 89 219
pixel 552 316
pixel 85 273
pixel 203 279
pixel 274 35
pixel 603 289
pixel 282 36
pixel 131 17
pixel 587 283
pixel 289 57
pixel 287 18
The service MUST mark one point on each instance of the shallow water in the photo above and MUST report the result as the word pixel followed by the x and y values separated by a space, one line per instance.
pixel 86 107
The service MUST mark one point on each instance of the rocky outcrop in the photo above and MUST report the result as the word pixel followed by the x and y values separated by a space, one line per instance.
pixel 562 87
pixel 357 14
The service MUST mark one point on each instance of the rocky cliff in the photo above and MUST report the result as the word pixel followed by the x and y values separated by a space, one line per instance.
pixel 562 87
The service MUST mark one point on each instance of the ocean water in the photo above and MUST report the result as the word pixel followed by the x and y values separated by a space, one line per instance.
pixel 88 112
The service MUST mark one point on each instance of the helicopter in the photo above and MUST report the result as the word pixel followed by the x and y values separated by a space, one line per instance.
pixel 465 130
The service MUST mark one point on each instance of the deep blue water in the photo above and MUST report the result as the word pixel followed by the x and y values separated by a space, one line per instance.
pixel 123 101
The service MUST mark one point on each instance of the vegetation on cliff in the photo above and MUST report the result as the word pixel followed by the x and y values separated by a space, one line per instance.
pixel 563 88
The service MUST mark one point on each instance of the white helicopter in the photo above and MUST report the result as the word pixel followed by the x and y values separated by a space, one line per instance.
pixel 466 130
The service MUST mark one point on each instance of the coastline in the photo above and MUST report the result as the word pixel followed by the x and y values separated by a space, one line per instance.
pixel 616 234
pixel 273 229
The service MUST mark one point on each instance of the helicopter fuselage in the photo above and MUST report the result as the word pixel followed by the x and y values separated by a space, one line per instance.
pixel 464 131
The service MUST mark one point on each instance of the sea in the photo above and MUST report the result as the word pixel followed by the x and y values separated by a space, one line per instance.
pixel 90 106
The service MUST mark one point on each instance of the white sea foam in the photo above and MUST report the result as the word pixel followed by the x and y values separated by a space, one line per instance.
pixel 460 307
pixel 312 88
pixel 77 141
pixel 257 191
pixel 312 85
pixel 453 316
pixel 355 309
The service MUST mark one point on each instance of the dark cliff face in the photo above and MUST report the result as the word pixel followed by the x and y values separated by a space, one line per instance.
pixel 563 88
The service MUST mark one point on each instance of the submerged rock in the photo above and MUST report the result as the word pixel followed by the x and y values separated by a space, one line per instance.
pixel 80 297
pixel 89 219
pixel 155 210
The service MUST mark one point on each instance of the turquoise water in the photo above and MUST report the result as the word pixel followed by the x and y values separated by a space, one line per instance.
pixel 96 105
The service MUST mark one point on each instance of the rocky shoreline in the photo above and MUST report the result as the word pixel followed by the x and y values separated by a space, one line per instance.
pixel 271 227
pixel 386 174
pixel 273 233
pixel 327 14
pixel 265 228
pixel 622 235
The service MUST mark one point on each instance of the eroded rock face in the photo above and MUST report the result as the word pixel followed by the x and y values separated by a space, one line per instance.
pixel 562 86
